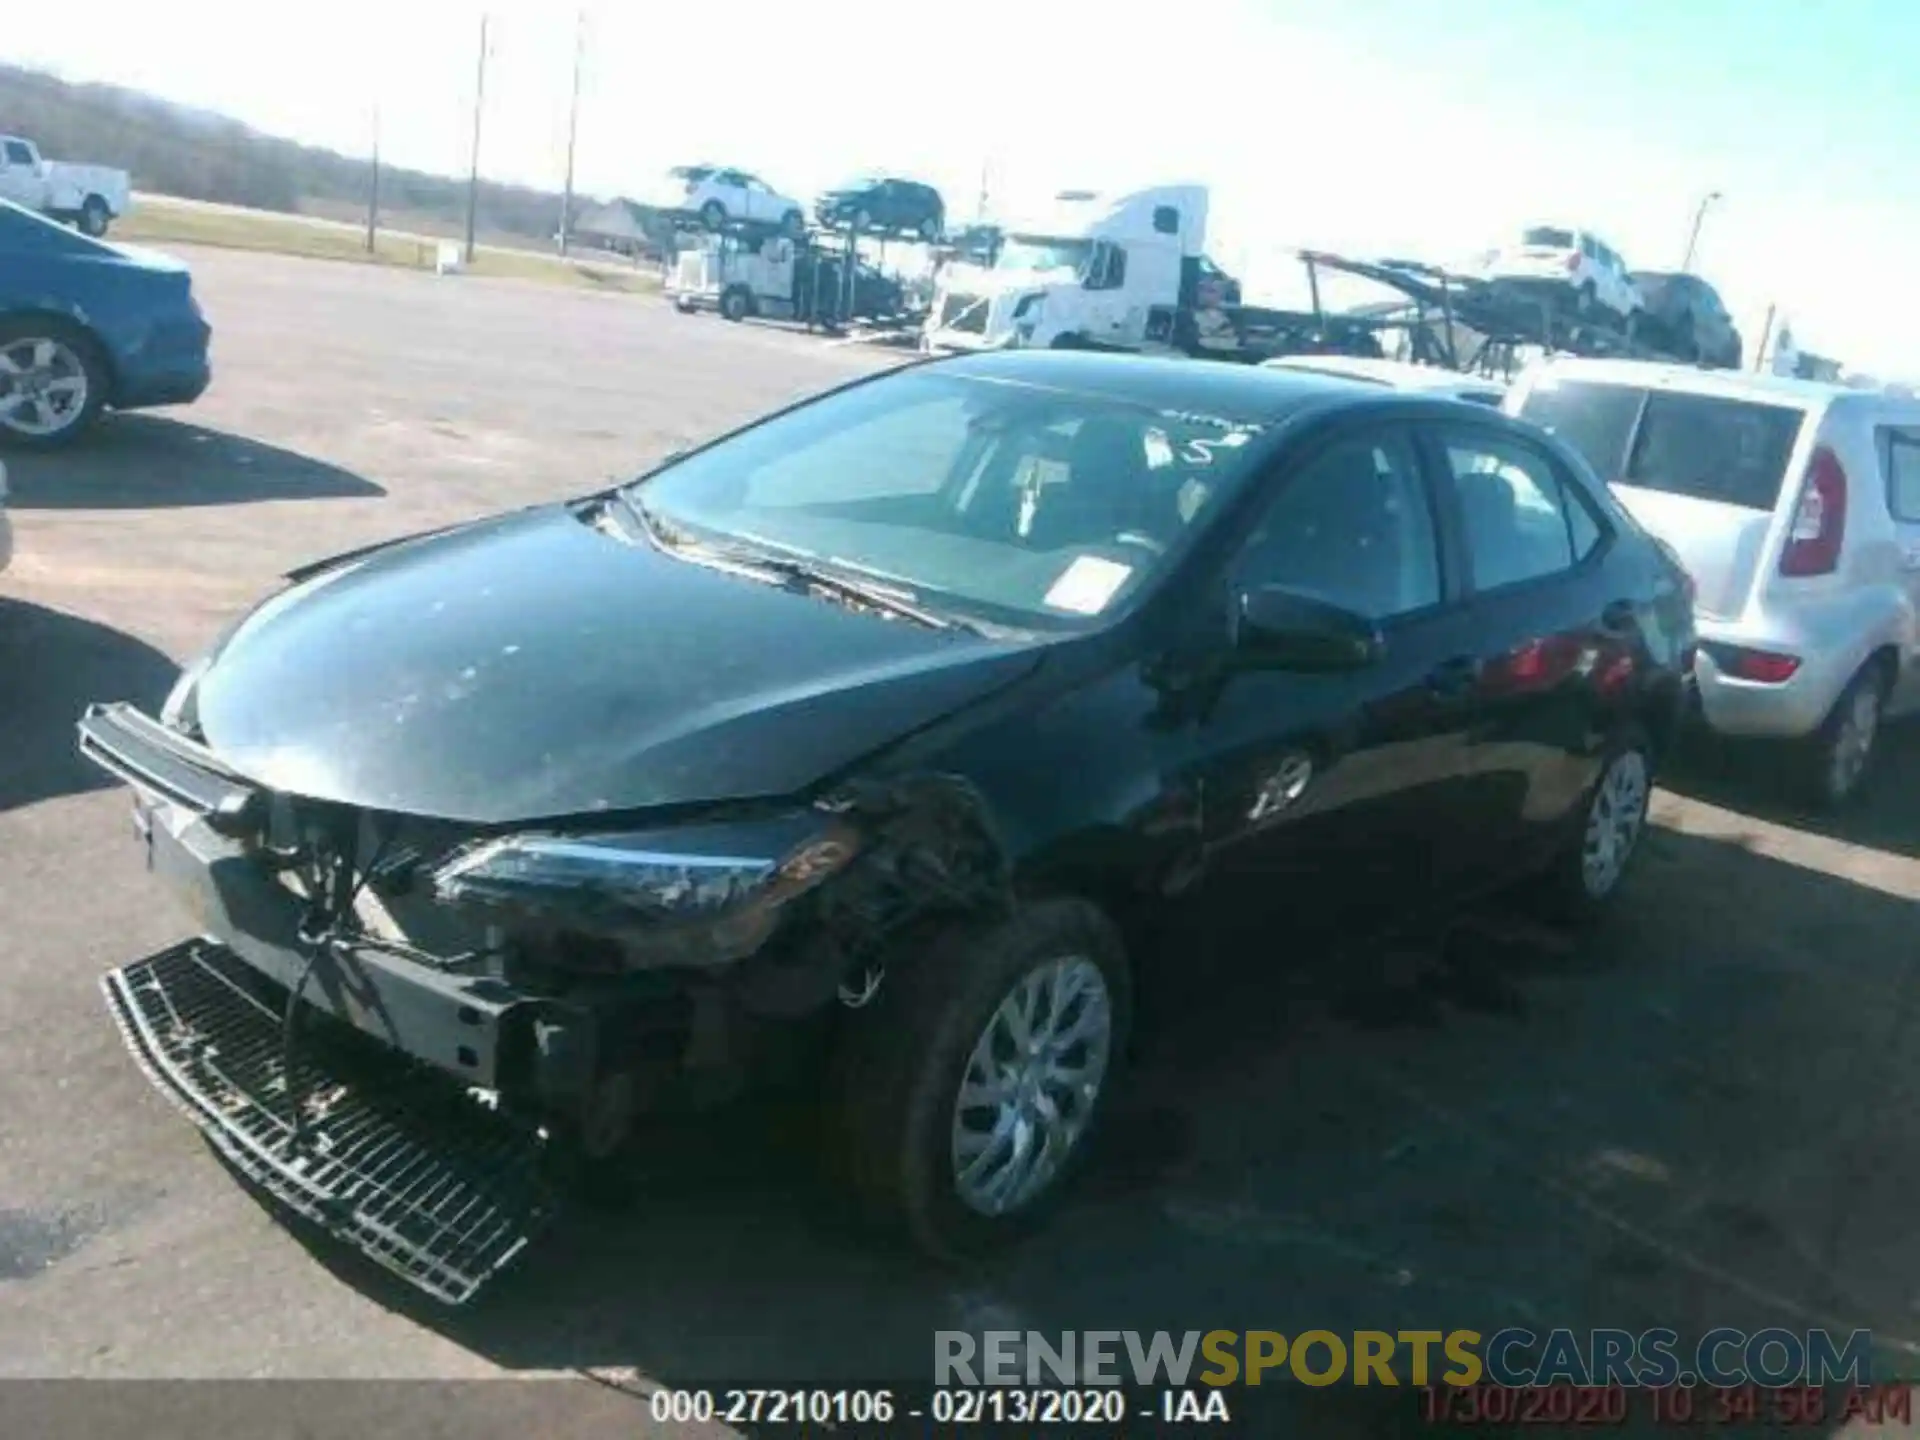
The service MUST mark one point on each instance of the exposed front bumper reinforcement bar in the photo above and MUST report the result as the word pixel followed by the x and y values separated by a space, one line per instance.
pixel 389 1155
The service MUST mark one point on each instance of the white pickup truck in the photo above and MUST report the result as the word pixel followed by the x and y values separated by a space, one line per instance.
pixel 87 196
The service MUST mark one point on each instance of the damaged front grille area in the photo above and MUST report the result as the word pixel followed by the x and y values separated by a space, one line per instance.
pixel 387 1155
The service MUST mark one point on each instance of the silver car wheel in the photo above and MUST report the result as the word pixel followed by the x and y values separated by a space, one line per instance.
pixel 1615 818
pixel 43 386
pixel 1853 741
pixel 1031 1085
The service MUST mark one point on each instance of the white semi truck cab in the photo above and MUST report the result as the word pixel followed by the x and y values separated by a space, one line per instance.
pixel 1095 271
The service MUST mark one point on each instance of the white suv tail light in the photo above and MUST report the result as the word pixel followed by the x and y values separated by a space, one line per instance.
pixel 1819 519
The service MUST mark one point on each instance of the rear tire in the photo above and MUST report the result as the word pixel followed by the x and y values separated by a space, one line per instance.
pixel 735 303
pixel 1584 879
pixel 930 229
pixel 1839 755
pixel 75 370
pixel 713 215
pixel 94 217
pixel 962 1179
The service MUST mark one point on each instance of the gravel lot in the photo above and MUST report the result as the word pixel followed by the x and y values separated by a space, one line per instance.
pixel 1704 1116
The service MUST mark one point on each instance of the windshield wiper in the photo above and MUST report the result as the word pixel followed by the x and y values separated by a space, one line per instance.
pixel 785 567
pixel 802 573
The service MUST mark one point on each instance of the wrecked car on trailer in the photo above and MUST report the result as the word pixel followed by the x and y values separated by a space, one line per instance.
pixel 868 723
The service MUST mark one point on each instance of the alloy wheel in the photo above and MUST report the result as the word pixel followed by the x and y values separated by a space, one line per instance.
pixel 43 386
pixel 1853 742
pixel 1031 1085
pixel 1615 819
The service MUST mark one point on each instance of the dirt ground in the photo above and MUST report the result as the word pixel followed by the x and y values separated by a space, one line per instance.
pixel 1703 1116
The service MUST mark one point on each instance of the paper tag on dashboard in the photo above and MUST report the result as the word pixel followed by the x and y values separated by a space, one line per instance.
pixel 1085 586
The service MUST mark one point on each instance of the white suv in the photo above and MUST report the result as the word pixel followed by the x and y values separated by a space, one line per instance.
pixel 1572 266
pixel 1795 507
pixel 719 195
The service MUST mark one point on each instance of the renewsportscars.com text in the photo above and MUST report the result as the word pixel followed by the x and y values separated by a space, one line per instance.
pixel 1511 1357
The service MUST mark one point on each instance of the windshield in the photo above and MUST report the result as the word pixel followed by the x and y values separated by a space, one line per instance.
pixel 1706 446
pixel 1548 239
pixel 690 172
pixel 1037 253
pixel 1001 502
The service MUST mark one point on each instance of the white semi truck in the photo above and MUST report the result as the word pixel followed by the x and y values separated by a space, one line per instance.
pixel 1099 272
pixel 88 196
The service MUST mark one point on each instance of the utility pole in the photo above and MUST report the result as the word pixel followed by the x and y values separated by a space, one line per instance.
pixel 1693 236
pixel 980 207
pixel 573 130
pixel 373 194
pixel 1760 350
pixel 479 105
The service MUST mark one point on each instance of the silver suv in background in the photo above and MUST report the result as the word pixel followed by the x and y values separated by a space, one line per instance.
pixel 1795 507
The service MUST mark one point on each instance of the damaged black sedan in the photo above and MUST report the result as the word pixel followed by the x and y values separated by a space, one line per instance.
pixel 868 735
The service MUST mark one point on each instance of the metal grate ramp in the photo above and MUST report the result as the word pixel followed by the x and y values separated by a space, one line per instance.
pixel 393 1158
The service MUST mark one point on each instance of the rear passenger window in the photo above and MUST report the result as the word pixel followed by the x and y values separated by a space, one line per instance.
pixel 1903 475
pixel 1523 522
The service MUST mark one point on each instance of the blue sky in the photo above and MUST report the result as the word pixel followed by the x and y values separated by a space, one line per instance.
pixel 1376 126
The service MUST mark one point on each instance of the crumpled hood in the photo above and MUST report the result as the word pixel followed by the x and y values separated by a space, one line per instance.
pixel 533 667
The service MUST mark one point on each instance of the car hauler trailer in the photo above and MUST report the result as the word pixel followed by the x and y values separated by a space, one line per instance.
pixel 1467 323
pixel 819 278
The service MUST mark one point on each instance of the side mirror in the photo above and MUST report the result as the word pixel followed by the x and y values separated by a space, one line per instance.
pixel 1282 630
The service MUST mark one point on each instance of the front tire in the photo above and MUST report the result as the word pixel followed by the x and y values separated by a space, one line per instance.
pixel 1840 753
pixel 969 1092
pixel 713 215
pixel 735 303
pixel 53 383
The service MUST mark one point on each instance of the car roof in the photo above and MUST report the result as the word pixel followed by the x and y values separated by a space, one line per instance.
pixel 1399 373
pixel 1236 393
pixel 1732 384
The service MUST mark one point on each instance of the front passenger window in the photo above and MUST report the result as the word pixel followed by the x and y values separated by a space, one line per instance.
pixel 1352 528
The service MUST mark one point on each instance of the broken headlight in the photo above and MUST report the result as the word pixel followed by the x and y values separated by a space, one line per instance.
pixel 724 883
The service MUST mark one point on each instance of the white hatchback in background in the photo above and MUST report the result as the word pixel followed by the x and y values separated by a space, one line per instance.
pixel 1795 506
pixel 1399 374
pixel 719 195
pixel 1572 266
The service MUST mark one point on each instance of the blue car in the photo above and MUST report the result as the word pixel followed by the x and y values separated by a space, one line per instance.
pixel 85 324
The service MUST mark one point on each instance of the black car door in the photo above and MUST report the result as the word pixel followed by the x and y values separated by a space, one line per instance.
pixel 1550 636
pixel 1328 798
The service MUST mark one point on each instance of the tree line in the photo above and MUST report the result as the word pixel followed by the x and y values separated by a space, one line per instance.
pixel 171 149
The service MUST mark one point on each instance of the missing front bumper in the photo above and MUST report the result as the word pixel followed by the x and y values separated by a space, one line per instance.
pixel 390 1156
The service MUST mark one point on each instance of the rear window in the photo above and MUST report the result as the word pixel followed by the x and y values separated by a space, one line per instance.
pixel 1551 239
pixel 1706 446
